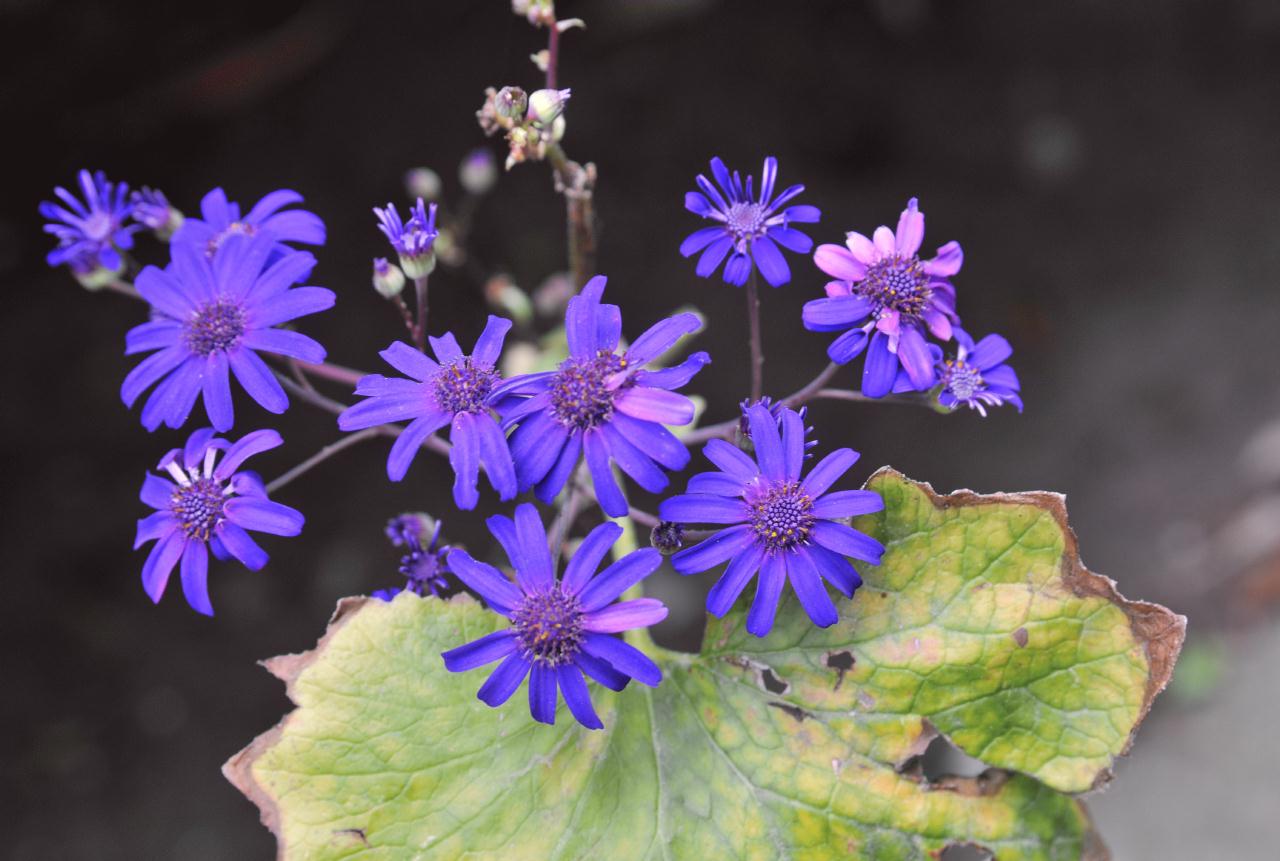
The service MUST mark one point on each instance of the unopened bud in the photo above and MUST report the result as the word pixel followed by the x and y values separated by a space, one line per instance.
pixel 511 103
pixel 422 182
pixel 388 280
pixel 546 105
pixel 667 537
pixel 478 171
pixel 153 210
pixel 503 295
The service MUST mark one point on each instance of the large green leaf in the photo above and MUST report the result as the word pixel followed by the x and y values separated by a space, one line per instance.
pixel 981 623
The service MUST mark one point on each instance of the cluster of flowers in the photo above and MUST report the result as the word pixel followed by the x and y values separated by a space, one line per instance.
pixel 883 299
pixel 605 410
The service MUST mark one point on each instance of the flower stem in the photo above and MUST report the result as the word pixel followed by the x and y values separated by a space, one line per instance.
pixel 420 327
pixel 124 288
pixel 321 456
pixel 315 399
pixel 798 397
pixel 567 514
pixel 328 371
pixel 553 54
pixel 757 347
pixel 919 399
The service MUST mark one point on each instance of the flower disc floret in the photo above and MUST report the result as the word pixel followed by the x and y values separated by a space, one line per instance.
pixel 548 628
pixel 782 515
pixel 198 507
pixel 216 325
pixel 581 397
pixel 464 386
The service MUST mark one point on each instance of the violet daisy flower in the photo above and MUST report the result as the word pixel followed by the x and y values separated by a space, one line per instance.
pixel 413 240
pixel 221 218
pixel 883 299
pixel 780 524
pixel 976 377
pixel 456 390
pixel 603 404
pixel 211 316
pixel 207 507
pixel 92 233
pixel 752 228
pixel 425 565
pixel 560 629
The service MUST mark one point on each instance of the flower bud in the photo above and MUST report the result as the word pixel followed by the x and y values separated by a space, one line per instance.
pixel 153 210
pixel 511 104
pixel 91 274
pixel 503 295
pixel 546 105
pixel 667 537
pixel 388 280
pixel 422 182
pixel 478 171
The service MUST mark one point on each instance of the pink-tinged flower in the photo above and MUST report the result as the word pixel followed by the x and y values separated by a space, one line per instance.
pixel 885 300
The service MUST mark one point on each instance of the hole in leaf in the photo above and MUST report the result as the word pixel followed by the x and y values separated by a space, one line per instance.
pixel 841 662
pixel 795 711
pixel 943 759
pixel 965 852
pixel 772 683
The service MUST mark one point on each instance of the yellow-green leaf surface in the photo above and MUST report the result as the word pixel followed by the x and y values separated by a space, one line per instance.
pixel 981 624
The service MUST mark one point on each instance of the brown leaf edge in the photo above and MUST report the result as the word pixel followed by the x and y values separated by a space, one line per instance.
pixel 1158 629
pixel 238 770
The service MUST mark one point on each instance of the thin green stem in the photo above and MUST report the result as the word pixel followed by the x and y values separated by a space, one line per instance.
pixel 321 456
pixel 800 396
pixel 757 345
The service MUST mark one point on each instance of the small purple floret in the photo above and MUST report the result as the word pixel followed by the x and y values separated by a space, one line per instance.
pixel 208 506
pixel 413 240
pixel 778 522
pixel 560 631
pixel 90 233
pixel 976 377
pixel 221 219
pixel 750 228
pixel 425 564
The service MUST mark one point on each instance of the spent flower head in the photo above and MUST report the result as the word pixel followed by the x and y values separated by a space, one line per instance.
pixel 412 240
pixel 779 522
pixel 152 210
pixel 749 229
pixel 424 563
pixel 207 504
pixel 561 629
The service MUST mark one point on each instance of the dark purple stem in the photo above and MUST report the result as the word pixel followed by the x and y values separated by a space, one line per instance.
pixel 321 456
pixel 757 345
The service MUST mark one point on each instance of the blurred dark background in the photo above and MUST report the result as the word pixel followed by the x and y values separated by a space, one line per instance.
pixel 1110 169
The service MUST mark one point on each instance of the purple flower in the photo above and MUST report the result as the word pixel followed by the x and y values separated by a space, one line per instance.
pixel 208 506
pixel 414 240
pixel 883 299
pixel 153 210
pixel 560 629
pixel 454 391
pixel 752 228
pixel 425 564
pixel 222 219
pixel 92 233
pixel 976 377
pixel 784 526
pixel 603 404
pixel 210 318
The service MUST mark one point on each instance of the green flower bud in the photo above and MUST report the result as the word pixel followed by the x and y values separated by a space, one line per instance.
pixel 546 105
pixel 511 104
pixel 388 280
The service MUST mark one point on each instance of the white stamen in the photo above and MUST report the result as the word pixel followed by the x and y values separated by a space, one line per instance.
pixel 177 473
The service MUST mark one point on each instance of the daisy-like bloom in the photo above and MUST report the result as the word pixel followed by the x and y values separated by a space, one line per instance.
pixel 221 219
pixel 884 299
pixel 455 390
pixel 425 564
pixel 976 377
pixel 210 318
pixel 602 403
pixel 90 233
pixel 560 629
pixel 413 240
pixel 779 523
pixel 208 506
pixel 749 228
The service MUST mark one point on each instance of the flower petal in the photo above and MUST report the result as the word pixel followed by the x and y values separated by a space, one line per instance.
pixel 195 577
pixel 623 657
pixel 639 613
pixel 724 545
pixel 808 587
pixel 477 653
pixel 574 688
pixel 504 681
pixel 773 574
pixel 725 592
pixel 618 578
pixel 486 581
pixel 587 558
pixel 839 263
pixel 848 503
pixel 847 541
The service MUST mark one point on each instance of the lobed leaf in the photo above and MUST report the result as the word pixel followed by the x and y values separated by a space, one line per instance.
pixel 981 624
